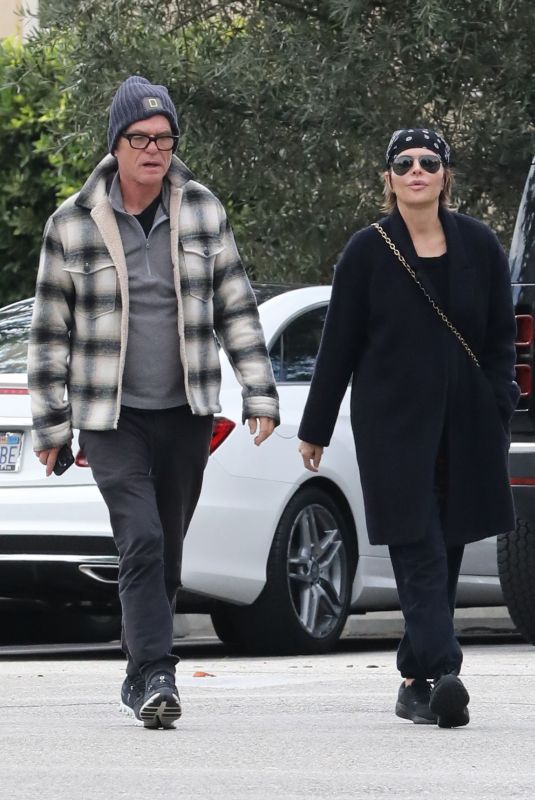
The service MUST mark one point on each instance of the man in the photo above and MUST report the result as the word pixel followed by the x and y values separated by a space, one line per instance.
pixel 137 272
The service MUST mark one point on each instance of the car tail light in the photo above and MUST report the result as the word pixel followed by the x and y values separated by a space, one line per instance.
pixel 520 481
pixel 524 358
pixel 9 390
pixel 81 460
pixel 524 330
pixel 524 379
pixel 222 428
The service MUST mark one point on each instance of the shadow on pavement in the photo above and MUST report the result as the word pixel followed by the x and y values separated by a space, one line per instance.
pixel 36 630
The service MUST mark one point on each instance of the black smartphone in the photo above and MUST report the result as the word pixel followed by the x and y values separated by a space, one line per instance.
pixel 64 460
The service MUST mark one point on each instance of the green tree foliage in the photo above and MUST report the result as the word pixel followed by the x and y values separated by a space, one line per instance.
pixel 54 12
pixel 40 163
pixel 286 107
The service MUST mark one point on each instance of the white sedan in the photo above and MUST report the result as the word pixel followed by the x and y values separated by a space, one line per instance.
pixel 278 555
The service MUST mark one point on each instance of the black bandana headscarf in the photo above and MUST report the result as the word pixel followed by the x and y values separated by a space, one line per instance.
pixel 407 138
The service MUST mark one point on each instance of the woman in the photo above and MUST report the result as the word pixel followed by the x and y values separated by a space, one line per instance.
pixel 431 402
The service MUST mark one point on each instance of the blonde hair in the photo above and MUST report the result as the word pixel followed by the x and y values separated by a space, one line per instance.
pixel 389 197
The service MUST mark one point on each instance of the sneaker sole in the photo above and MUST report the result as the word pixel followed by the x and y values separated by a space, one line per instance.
pixel 449 701
pixel 457 721
pixel 160 709
pixel 128 712
pixel 403 712
pixel 124 709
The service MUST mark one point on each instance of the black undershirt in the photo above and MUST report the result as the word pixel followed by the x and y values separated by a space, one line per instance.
pixel 146 218
pixel 435 270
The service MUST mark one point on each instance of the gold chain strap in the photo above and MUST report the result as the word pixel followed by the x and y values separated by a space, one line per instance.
pixel 437 308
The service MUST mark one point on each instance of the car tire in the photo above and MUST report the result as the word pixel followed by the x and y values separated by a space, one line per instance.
pixel 228 625
pixel 516 568
pixel 305 602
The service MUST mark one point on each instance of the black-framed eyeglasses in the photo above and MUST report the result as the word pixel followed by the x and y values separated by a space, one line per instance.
pixel 428 162
pixel 140 141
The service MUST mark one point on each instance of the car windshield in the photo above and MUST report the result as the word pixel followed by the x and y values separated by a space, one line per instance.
pixel 14 330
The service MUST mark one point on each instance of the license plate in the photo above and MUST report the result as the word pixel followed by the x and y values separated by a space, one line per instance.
pixel 10 451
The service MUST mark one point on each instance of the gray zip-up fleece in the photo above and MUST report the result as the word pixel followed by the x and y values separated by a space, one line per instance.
pixel 153 376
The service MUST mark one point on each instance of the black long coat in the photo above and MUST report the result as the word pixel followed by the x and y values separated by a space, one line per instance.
pixel 412 380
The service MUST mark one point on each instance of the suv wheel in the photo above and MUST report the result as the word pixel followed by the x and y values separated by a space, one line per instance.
pixel 516 568
pixel 305 603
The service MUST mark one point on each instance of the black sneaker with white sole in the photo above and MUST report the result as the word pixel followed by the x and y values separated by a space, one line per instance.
pixel 132 695
pixel 161 704
pixel 449 701
pixel 413 703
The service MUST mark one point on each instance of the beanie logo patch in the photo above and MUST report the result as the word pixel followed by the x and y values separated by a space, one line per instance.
pixel 152 103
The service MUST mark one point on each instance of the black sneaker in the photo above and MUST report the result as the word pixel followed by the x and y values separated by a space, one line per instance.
pixel 132 695
pixel 161 704
pixel 413 703
pixel 449 701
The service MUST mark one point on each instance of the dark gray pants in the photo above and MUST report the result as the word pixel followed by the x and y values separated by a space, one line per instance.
pixel 427 573
pixel 149 472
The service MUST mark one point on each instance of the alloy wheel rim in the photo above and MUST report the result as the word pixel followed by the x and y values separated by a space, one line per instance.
pixel 317 570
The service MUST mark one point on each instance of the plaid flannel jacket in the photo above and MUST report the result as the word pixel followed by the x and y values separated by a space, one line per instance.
pixel 80 322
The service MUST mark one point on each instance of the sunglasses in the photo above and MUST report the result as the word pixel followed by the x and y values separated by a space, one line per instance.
pixel 429 163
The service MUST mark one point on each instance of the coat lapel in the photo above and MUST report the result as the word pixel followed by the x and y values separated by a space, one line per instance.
pixel 461 275
pixel 104 218
pixel 397 230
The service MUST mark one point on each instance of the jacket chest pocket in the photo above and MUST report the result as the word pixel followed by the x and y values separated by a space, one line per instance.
pixel 199 256
pixel 95 284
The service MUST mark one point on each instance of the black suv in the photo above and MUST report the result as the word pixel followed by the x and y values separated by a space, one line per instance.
pixel 516 550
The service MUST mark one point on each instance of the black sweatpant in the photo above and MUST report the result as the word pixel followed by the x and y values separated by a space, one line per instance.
pixel 149 472
pixel 427 574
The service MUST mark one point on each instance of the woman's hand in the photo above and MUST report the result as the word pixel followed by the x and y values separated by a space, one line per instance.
pixel 311 454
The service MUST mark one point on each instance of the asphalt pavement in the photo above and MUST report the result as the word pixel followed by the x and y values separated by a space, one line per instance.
pixel 259 728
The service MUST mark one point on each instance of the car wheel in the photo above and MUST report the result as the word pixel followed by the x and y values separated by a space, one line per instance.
pixel 516 568
pixel 304 605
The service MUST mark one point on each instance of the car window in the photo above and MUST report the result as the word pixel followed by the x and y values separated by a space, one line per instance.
pixel 276 362
pixel 14 332
pixel 293 354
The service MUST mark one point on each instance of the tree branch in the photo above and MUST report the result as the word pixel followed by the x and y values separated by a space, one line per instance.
pixel 203 13
pixel 304 12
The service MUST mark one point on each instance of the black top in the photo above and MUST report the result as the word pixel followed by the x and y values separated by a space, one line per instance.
pixel 146 218
pixel 434 271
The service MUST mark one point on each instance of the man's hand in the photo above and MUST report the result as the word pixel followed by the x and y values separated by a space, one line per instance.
pixel 311 454
pixel 264 425
pixel 48 458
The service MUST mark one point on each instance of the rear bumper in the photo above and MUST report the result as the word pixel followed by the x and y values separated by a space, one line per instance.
pixel 56 544
pixel 60 577
pixel 522 472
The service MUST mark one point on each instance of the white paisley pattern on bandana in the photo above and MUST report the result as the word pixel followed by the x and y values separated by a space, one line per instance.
pixel 405 138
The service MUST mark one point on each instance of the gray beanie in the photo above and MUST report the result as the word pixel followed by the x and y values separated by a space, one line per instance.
pixel 135 99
